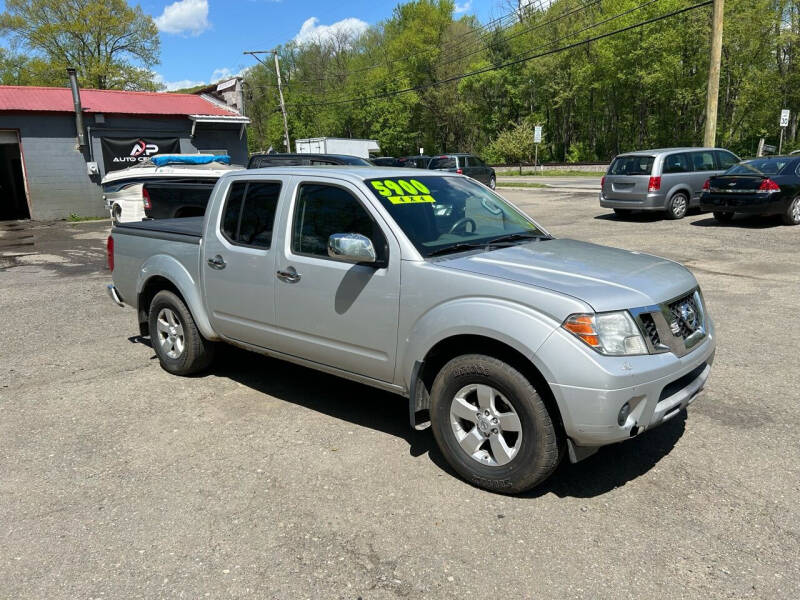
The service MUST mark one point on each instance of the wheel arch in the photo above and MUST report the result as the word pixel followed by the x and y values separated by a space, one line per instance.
pixel 165 273
pixel 444 350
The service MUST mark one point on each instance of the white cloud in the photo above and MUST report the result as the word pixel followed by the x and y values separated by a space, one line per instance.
pixel 171 86
pixel 312 31
pixel 463 7
pixel 184 16
pixel 223 73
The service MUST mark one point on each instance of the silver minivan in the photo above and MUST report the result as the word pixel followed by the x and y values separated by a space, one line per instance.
pixel 664 179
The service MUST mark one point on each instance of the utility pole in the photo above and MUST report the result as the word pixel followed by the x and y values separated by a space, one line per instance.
pixel 712 98
pixel 274 53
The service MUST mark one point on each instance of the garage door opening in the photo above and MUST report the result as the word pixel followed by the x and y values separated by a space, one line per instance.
pixel 13 200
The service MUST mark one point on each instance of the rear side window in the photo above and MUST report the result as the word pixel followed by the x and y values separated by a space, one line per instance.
pixel 676 163
pixel 725 160
pixel 703 161
pixel 759 166
pixel 249 213
pixel 443 162
pixel 323 210
pixel 474 161
pixel 632 165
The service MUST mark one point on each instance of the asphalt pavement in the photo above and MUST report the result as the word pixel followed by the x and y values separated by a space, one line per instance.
pixel 266 480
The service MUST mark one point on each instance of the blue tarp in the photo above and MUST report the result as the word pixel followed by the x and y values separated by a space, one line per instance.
pixel 187 159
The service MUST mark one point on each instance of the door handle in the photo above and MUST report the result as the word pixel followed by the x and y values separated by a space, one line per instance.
pixel 290 275
pixel 217 262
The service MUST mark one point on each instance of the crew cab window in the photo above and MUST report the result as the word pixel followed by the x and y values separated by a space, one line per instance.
pixel 725 159
pixel 323 210
pixel 249 213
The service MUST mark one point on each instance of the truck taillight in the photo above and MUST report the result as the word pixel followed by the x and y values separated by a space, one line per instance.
pixel 767 185
pixel 654 184
pixel 146 199
pixel 707 185
pixel 602 182
pixel 460 171
pixel 110 252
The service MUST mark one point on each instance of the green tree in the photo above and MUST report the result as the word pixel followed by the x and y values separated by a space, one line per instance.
pixel 515 145
pixel 111 44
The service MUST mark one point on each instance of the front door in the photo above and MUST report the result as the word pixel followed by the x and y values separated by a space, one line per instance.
pixel 332 312
pixel 239 263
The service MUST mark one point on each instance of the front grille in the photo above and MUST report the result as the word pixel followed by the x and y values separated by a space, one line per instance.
pixel 650 329
pixel 685 322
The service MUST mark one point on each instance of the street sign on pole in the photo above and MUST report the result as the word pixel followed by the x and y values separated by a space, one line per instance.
pixel 537 134
pixel 785 117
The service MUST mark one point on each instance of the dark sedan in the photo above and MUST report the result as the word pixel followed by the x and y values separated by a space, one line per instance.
pixel 761 186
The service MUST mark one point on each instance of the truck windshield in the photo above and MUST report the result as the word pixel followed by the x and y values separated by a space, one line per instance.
pixel 443 214
pixel 632 165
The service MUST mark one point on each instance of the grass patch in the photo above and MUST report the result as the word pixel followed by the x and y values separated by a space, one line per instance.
pixel 76 218
pixel 552 173
pixel 521 184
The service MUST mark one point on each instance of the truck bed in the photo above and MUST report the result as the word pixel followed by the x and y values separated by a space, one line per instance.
pixel 190 228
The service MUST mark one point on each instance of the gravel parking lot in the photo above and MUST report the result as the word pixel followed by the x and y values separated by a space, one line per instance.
pixel 267 480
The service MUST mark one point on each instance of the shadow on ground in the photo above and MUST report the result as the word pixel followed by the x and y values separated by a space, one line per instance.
pixel 610 468
pixel 748 222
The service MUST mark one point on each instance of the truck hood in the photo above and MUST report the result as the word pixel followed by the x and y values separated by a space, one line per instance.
pixel 603 277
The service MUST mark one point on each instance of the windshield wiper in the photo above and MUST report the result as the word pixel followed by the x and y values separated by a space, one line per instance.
pixel 460 247
pixel 515 237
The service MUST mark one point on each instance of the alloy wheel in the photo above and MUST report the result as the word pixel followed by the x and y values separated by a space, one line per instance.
pixel 485 425
pixel 170 333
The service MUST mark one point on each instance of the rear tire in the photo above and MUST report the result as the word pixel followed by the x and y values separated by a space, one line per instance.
pixel 791 215
pixel 677 206
pixel 723 217
pixel 492 425
pixel 180 347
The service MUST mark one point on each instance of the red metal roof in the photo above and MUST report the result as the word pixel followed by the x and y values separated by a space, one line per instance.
pixel 49 99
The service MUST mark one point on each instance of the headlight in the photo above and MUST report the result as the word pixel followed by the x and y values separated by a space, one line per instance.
pixel 612 333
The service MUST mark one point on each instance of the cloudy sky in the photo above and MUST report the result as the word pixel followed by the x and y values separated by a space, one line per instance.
pixel 203 40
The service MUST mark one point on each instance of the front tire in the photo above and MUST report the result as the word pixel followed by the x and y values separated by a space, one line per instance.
pixel 791 215
pixel 677 206
pixel 492 425
pixel 180 347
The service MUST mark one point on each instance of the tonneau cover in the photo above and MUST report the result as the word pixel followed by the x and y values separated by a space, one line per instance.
pixel 192 226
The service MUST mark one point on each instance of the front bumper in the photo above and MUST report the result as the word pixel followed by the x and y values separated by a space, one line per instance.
pixel 661 388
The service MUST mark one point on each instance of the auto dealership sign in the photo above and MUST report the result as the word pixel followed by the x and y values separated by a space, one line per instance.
pixel 120 153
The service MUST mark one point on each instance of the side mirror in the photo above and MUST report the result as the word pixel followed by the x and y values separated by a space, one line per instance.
pixel 351 247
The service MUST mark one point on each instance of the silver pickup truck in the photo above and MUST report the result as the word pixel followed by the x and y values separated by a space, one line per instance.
pixel 515 347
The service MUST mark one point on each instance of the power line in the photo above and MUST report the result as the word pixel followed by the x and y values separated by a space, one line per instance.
pixel 512 62
pixel 476 44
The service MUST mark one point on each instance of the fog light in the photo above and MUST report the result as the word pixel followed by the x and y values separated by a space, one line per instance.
pixel 623 414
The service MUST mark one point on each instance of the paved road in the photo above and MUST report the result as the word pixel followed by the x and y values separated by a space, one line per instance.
pixel 568 183
pixel 266 480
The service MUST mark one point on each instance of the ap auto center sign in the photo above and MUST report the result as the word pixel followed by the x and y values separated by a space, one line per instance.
pixel 120 153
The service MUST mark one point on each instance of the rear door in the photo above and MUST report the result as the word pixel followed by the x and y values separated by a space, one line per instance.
pixel 332 312
pixel 238 262
pixel 704 165
pixel 628 177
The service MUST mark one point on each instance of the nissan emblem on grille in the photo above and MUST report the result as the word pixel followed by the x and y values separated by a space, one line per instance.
pixel 689 315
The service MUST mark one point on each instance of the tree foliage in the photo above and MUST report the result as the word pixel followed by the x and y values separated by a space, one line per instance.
pixel 111 44
pixel 642 88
